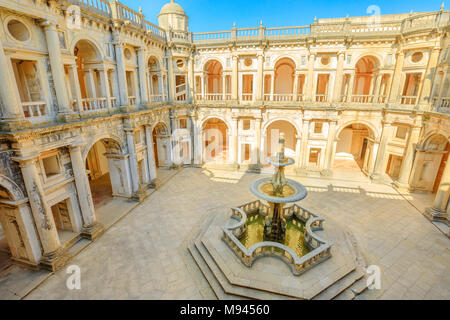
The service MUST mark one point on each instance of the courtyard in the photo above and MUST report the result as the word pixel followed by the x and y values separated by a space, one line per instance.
pixel 144 255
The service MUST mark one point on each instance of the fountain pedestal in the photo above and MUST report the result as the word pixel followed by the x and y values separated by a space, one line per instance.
pixel 275 224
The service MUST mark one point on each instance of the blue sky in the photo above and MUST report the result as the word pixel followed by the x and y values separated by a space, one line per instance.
pixel 217 15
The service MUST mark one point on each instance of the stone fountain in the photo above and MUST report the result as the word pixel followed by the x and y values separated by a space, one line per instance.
pixel 278 191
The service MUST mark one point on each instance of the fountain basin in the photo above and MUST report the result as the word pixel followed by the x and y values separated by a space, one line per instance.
pixel 293 191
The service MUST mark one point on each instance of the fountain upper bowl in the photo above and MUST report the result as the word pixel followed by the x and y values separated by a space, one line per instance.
pixel 295 191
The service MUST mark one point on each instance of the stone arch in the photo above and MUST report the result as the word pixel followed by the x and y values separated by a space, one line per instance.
pixel 210 59
pixel 269 122
pixel 284 56
pixel 14 192
pixel 430 135
pixel 378 58
pixel 371 126
pixel 209 136
pixel 271 142
pixel 284 72
pixel 91 42
pixel 156 62
pixel 104 136
pixel 204 120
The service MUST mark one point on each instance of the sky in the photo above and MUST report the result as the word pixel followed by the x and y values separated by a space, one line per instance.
pixel 219 15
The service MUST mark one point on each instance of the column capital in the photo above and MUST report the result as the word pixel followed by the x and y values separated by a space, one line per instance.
pixel 26 160
pixel 386 123
pixel 48 24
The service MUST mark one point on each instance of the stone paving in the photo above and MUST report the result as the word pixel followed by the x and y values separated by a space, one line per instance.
pixel 144 255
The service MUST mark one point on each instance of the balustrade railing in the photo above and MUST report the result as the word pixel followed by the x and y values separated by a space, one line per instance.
pixel 247 97
pixel 155 30
pixel 34 109
pixel 94 104
pixel 287 31
pixel 157 98
pixel 362 98
pixel 113 102
pixel 443 105
pixel 408 99
pixel 202 36
pixel 132 100
pixel 321 97
pixel 99 6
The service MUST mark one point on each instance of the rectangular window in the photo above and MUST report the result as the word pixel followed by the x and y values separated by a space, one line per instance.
pixel 246 124
pixel 314 155
pixel 246 152
pixel 401 132
pixel 51 166
pixel 183 124
pixel 318 127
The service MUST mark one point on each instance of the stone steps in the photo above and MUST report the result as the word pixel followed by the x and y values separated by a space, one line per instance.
pixel 209 276
pixel 233 288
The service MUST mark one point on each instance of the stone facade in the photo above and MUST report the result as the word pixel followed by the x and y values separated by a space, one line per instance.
pixel 80 73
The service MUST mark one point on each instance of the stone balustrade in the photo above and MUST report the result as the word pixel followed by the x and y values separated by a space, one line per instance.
pixel 34 109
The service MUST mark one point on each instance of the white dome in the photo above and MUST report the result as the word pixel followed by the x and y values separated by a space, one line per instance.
pixel 171 8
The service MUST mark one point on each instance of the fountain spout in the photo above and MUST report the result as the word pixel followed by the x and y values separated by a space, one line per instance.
pixel 279 179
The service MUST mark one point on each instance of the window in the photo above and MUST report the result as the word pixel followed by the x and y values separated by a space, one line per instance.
pixel 325 60
pixel 246 152
pixel 51 166
pixel 417 57
pixel 180 63
pixel 401 132
pixel 246 124
pixel 314 155
pixel 137 137
pixel 183 123
pixel 318 127
pixel 18 30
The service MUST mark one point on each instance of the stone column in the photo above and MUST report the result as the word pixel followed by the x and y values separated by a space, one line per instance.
pixel 171 79
pixel 304 144
pixel 403 180
pixel 42 213
pixel 90 83
pixel 57 67
pixel 191 79
pixel 91 228
pixel 258 141
pixel 397 78
pixel 439 210
pixel 10 100
pixel 350 87
pixel 425 95
pixel 224 87
pixel 272 86
pixel 133 160
pixel 295 87
pixel 235 139
pixel 203 85
pixel 121 75
pixel 234 79
pixel 339 78
pixel 104 85
pixel 259 77
pixel 310 81
pixel 142 76
pixel 330 150
pixel 381 154
pixel 376 93
pixel 73 76
pixel 151 154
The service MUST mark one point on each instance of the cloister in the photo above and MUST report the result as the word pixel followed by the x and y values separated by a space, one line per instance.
pixel 97 111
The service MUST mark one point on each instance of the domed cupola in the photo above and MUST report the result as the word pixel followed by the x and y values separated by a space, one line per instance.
pixel 173 16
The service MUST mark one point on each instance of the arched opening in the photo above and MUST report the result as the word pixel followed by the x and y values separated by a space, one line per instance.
pixel 11 238
pixel 431 163
pixel 93 82
pixel 284 80
pixel 105 179
pixel 161 145
pixel 364 85
pixel 273 132
pixel 155 80
pixel 214 81
pixel 215 141
pixel 354 150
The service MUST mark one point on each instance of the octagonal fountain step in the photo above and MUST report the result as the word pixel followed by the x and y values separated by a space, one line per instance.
pixel 229 279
